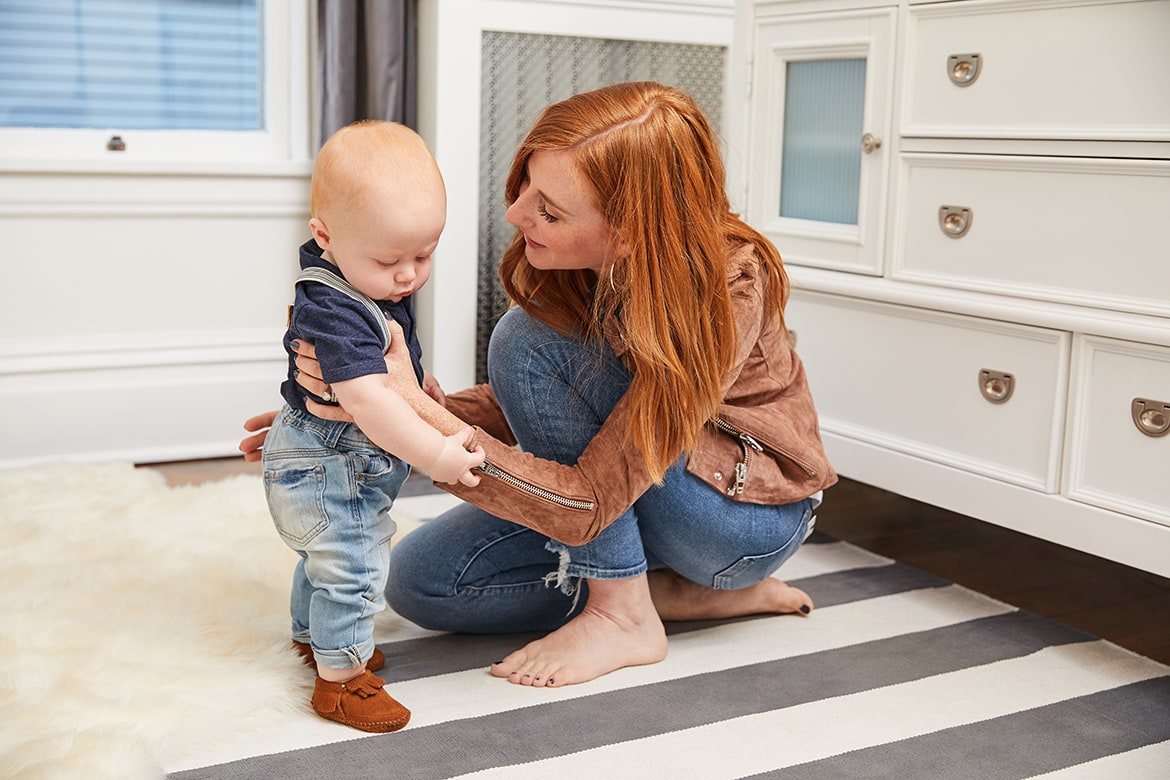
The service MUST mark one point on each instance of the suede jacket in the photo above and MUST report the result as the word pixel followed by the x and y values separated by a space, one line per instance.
pixel 764 447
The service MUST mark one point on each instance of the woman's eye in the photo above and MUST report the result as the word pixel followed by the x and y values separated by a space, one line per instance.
pixel 544 213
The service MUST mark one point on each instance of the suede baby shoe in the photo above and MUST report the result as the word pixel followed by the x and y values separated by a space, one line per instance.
pixel 376 662
pixel 361 702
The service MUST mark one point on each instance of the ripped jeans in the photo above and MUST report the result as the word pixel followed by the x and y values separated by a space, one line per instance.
pixel 469 571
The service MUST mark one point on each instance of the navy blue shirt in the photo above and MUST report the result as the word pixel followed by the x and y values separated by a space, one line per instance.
pixel 347 338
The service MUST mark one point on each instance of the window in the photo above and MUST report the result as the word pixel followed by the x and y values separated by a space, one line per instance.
pixel 149 79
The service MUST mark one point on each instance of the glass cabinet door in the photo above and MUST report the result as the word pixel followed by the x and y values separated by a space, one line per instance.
pixel 819 115
pixel 820 157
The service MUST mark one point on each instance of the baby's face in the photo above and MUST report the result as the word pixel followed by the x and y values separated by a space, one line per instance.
pixel 386 253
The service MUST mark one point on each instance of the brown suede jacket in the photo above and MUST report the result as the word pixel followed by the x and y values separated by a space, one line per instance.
pixel 763 448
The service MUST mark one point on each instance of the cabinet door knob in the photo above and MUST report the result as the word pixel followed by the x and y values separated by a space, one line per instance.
pixel 963 69
pixel 955 221
pixel 870 143
pixel 996 386
pixel 1151 417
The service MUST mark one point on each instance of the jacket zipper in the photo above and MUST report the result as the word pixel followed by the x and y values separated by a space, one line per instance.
pixel 493 470
pixel 748 444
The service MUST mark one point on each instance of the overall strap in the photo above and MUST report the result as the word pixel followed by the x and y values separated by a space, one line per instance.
pixel 330 279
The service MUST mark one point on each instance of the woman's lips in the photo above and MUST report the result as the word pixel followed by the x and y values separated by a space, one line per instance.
pixel 532 243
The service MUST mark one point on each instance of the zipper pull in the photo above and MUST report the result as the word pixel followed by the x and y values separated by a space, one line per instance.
pixel 755 445
pixel 740 478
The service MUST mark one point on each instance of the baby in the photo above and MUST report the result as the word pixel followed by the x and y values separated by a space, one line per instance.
pixel 378 208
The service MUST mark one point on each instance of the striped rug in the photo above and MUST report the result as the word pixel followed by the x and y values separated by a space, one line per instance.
pixel 896 674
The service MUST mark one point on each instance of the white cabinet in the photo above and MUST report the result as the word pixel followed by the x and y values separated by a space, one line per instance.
pixel 1091 231
pixel 1121 412
pixel 991 334
pixel 1046 70
pixel 820 84
pixel 983 395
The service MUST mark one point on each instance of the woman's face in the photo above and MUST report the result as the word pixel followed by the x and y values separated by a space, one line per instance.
pixel 563 228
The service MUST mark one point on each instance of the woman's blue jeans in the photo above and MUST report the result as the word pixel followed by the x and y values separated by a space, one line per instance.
pixel 469 571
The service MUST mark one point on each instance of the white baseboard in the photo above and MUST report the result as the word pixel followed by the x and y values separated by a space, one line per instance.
pixel 147 406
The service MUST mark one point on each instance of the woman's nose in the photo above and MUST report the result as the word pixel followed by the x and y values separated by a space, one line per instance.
pixel 518 213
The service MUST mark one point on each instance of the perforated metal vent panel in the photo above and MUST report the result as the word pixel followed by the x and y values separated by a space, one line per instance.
pixel 523 73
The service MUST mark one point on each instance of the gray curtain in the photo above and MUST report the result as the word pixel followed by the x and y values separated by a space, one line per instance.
pixel 367 62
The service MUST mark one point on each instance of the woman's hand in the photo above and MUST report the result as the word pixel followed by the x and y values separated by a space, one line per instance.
pixel 309 377
pixel 400 378
pixel 431 387
pixel 251 445
pixel 400 374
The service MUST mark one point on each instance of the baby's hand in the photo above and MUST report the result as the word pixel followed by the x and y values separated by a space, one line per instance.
pixel 455 462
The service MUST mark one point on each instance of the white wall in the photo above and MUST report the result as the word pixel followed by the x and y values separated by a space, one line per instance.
pixel 143 302
pixel 145 291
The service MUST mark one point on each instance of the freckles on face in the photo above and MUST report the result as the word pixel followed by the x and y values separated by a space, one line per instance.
pixel 556 211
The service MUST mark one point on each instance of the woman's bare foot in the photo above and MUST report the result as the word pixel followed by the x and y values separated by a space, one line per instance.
pixel 618 627
pixel 677 598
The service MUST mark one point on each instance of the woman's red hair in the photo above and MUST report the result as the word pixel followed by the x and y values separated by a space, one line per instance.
pixel 654 166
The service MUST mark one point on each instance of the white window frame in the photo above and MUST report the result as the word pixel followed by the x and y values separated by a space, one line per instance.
pixel 285 137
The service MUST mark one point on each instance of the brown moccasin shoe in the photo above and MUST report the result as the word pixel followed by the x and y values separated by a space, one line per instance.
pixel 361 702
pixel 376 662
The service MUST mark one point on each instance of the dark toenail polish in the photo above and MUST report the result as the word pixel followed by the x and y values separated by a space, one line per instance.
pixel 496 663
pixel 804 608
pixel 551 681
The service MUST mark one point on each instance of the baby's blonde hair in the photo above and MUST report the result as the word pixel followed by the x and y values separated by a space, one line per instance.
pixel 371 159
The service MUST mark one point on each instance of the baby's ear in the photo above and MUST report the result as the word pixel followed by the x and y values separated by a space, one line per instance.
pixel 319 232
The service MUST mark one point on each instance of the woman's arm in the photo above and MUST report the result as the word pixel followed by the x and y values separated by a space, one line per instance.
pixel 572 504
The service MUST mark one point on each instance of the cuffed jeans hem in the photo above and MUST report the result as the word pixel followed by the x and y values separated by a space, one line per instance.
pixel 351 657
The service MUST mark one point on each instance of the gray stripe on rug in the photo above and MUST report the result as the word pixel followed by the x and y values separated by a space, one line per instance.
pixel 412 659
pixel 544 731
pixel 1014 746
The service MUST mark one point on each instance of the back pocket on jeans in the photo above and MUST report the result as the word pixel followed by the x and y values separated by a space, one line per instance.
pixel 296 498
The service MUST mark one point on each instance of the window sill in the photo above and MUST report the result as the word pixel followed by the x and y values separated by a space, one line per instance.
pixel 131 167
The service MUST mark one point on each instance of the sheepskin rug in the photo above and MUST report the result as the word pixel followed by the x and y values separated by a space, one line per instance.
pixel 139 623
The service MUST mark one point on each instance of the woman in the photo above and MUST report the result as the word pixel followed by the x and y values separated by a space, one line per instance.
pixel 671 457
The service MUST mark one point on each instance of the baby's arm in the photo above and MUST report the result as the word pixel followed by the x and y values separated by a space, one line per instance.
pixel 393 425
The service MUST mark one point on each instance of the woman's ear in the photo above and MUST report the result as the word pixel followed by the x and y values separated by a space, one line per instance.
pixel 320 233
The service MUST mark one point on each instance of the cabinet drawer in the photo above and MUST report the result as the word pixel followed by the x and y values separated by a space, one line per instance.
pixel 1054 71
pixel 910 380
pixel 1112 463
pixel 1090 232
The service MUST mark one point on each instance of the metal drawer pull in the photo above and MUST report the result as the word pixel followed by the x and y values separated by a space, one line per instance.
pixel 996 386
pixel 870 143
pixel 955 221
pixel 963 69
pixel 1151 417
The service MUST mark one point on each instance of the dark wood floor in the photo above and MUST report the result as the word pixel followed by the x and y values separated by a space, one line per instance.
pixel 1124 605
pixel 1115 602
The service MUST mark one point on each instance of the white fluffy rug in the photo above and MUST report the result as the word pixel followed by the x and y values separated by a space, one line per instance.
pixel 139 624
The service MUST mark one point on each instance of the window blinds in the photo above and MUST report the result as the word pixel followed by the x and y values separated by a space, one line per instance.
pixel 132 64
